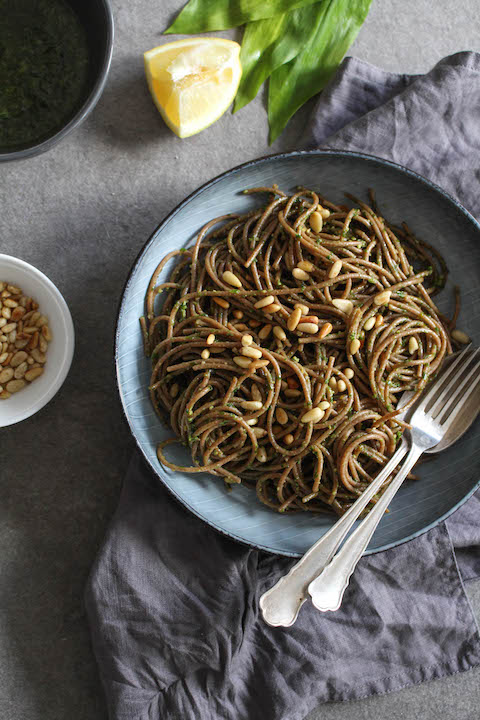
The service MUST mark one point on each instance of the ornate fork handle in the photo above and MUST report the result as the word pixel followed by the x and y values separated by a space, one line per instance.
pixel 281 604
pixel 328 588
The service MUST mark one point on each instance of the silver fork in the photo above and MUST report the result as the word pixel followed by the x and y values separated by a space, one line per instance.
pixel 432 417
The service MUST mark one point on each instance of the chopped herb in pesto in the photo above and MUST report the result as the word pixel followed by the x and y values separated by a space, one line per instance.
pixel 43 69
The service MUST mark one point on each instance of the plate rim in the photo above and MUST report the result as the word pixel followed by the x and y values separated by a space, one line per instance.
pixel 120 308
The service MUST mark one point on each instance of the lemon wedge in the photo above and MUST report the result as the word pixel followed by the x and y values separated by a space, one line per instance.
pixel 193 81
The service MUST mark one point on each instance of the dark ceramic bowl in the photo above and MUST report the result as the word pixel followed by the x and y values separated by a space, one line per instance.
pixel 97 18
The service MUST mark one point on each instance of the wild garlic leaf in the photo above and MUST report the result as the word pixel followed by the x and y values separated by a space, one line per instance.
pixel 335 27
pixel 206 15
pixel 266 45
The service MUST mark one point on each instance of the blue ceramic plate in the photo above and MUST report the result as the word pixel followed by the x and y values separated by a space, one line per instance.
pixel 445 481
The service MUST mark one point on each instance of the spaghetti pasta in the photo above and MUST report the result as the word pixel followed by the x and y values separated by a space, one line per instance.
pixel 282 339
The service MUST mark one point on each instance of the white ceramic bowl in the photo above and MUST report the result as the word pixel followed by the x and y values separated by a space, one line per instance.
pixel 35 284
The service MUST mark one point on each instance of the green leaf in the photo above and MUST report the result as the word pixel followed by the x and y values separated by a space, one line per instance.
pixel 266 45
pixel 206 15
pixel 336 26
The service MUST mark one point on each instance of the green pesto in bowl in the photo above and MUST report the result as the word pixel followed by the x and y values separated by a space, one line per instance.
pixel 44 64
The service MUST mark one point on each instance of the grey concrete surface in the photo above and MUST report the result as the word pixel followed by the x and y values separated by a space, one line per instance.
pixel 81 213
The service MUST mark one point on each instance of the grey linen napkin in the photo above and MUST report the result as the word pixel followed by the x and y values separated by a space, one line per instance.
pixel 173 606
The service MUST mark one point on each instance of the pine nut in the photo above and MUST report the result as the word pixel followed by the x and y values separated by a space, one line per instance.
pixel 264 332
pixel 18 313
pixel 15 385
pixel 262 455
pixel 274 307
pixel 241 327
pixel 231 279
pixel 251 352
pixel 304 308
pixel 279 332
pixel 251 405
pixel 252 421
pixel 341 386
pixel 254 323
pixel 461 337
pixel 174 390
pixel 237 314
pixel 20 370
pixel 307 327
pixel 294 319
pixel 33 342
pixel 3 322
pixel 382 298
pixel 258 364
pixel 291 393
pixel 263 302
pixel 348 372
pixel 47 333
pixel 8 302
pixel 19 358
pixel 210 339
pixel 333 383
pixel 247 340
pixel 335 269
pixel 288 439
pixel 205 354
pixel 345 306
pixel 38 356
pixel 325 330
pixel 314 415
pixel 14 289
pixel 256 394
pixel 3 357
pixel 378 320
pixel 324 212
pixel 300 274
pixel 306 265
pixel 4 395
pixel 33 374
pixel 242 361
pixel 310 318
pixel 6 375
pixel 281 416
pixel 324 405
pixel 412 345
pixel 369 324
pixel 6 313
pixel 259 432
pixel 316 221
pixel 8 328
pixel 221 302
pixel 354 346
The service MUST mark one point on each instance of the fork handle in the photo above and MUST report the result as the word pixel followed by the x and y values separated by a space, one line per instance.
pixel 328 588
pixel 280 604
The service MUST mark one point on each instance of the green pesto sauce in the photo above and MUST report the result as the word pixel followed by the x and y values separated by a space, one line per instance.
pixel 43 69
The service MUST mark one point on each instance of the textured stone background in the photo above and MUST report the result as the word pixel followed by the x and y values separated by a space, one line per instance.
pixel 81 213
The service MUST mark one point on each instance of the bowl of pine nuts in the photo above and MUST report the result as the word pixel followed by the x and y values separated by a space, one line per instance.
pixel 36 340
